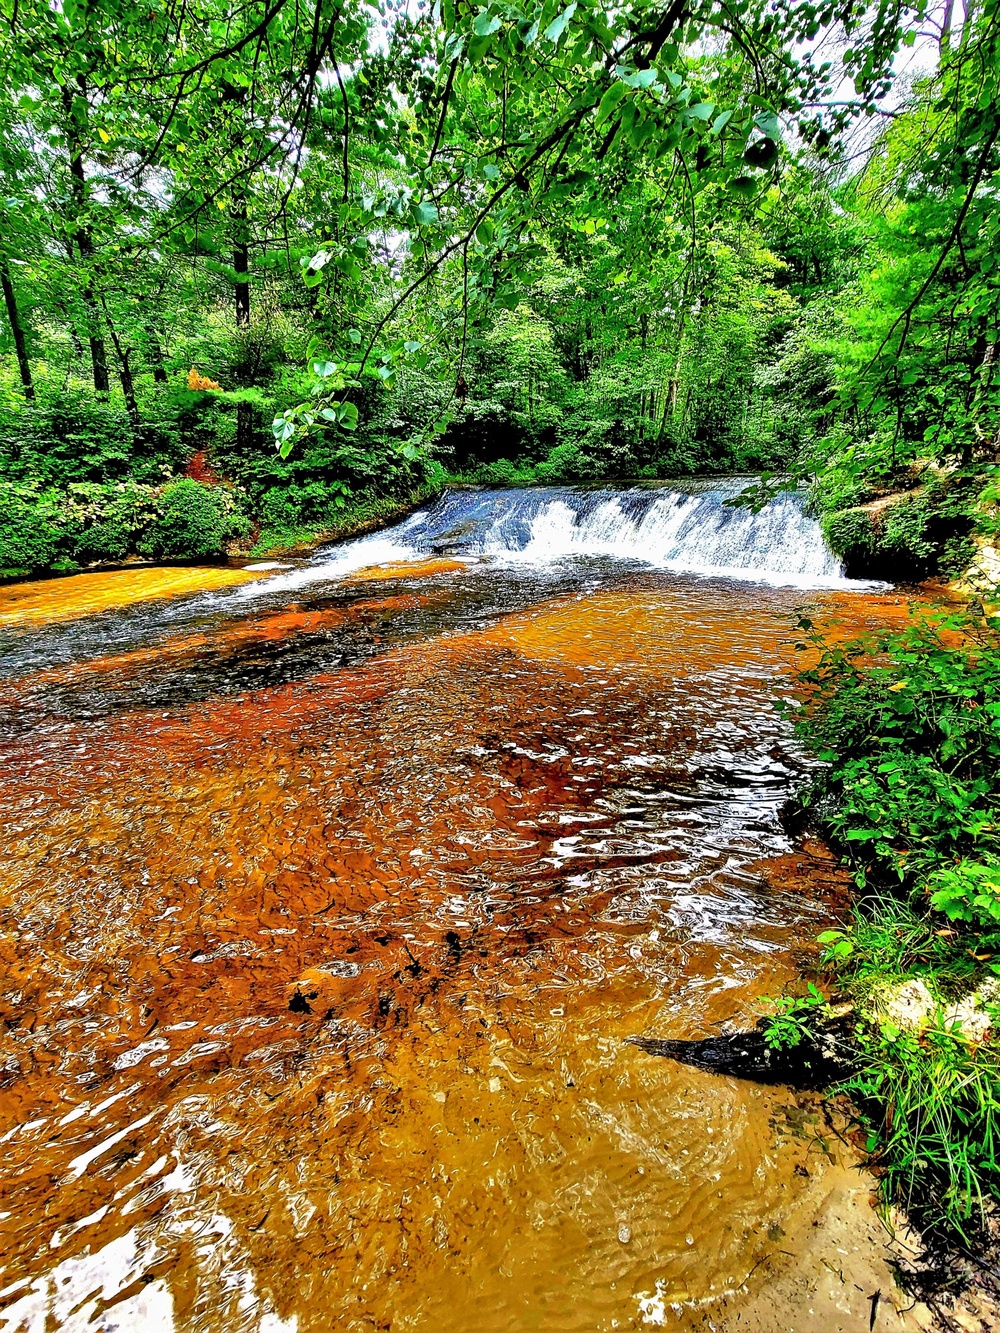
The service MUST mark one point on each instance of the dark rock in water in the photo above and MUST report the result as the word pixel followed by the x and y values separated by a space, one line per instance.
pixel 812 1065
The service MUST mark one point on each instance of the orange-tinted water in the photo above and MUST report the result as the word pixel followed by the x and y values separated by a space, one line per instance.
pixel 88 594
pixel 315 993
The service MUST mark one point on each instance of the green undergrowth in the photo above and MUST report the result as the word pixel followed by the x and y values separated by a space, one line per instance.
pixel 907 726
pixel 354 519
pixel 903 524
pixel 84 523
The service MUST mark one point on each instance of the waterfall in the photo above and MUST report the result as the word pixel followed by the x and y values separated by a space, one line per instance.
pixel 681 527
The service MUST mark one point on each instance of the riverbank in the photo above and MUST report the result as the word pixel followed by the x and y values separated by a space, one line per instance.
pixel 907 727
pixel 353 521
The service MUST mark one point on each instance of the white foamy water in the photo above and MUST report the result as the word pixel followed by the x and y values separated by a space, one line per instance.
pixel 345 560
pixel 695 534
pixel 683 530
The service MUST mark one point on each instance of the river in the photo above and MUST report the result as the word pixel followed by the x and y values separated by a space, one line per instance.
pixel 331 894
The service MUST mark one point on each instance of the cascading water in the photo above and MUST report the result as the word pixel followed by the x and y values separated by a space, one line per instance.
pixel 684 529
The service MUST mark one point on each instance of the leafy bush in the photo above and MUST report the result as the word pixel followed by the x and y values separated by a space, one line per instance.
pixel 299 504
pixel 851 535
pixel 194 520
pixel 71 436
pixel 905 529
pixel 503 473
pixel 106 522
pixel 32 529
pixel 908 538
pixel 968 891
pixel 566 462
pixel 909 726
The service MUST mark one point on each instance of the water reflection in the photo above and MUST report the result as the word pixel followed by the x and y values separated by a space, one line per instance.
pixel 316 980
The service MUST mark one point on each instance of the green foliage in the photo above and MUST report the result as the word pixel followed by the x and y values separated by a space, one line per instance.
pixel 928 1098
pixel 932 1106
pixel 794 1018
pixel 908 726
pixel 70 436
pixel 906 536
pixel 89 522
pixel 908 723
pixel 105 522
pixel 967 891
pixel 905 528
pixel 193 520
pixel 30 527
pixel 851 534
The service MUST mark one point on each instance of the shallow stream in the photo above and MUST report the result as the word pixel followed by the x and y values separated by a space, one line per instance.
pixel 330 897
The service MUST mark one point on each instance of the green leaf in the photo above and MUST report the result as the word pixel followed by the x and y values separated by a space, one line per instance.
pixel 768 124
pixel 558 25
pixel 640 78
pixel 701 110
pixel 743 185
pixel 425 214
pixel 762 154
pixel 609 101
pixel 486 23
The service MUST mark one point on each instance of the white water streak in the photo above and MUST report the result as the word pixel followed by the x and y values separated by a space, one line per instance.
pixel 663 528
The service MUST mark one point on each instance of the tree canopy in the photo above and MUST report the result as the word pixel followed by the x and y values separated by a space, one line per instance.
pixel 342 250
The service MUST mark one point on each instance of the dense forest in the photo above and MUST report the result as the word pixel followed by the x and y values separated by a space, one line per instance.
pixel 284 268
pixel 505 246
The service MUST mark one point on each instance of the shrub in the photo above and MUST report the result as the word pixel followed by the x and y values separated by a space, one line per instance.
pixel 850 534
pixel 905 530
pixel 968 891
pixel 295 505
pixel 32 530
pixel 70 436
pixel 194 520
pixel 908 726
pixel 106 522
pixel 566 462
pixel 502 473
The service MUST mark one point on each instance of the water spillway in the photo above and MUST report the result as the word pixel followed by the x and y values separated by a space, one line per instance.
pixel 691 528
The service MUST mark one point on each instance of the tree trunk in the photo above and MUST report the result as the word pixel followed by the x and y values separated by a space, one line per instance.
pixel 125 377
pixel 13 315
pixel 985 381
pixel 241 264
pixel 241 261
pixel 74 336
pixel 155 355
pixel 84 240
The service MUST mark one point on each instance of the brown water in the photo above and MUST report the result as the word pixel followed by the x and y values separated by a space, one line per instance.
pixel 324 924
